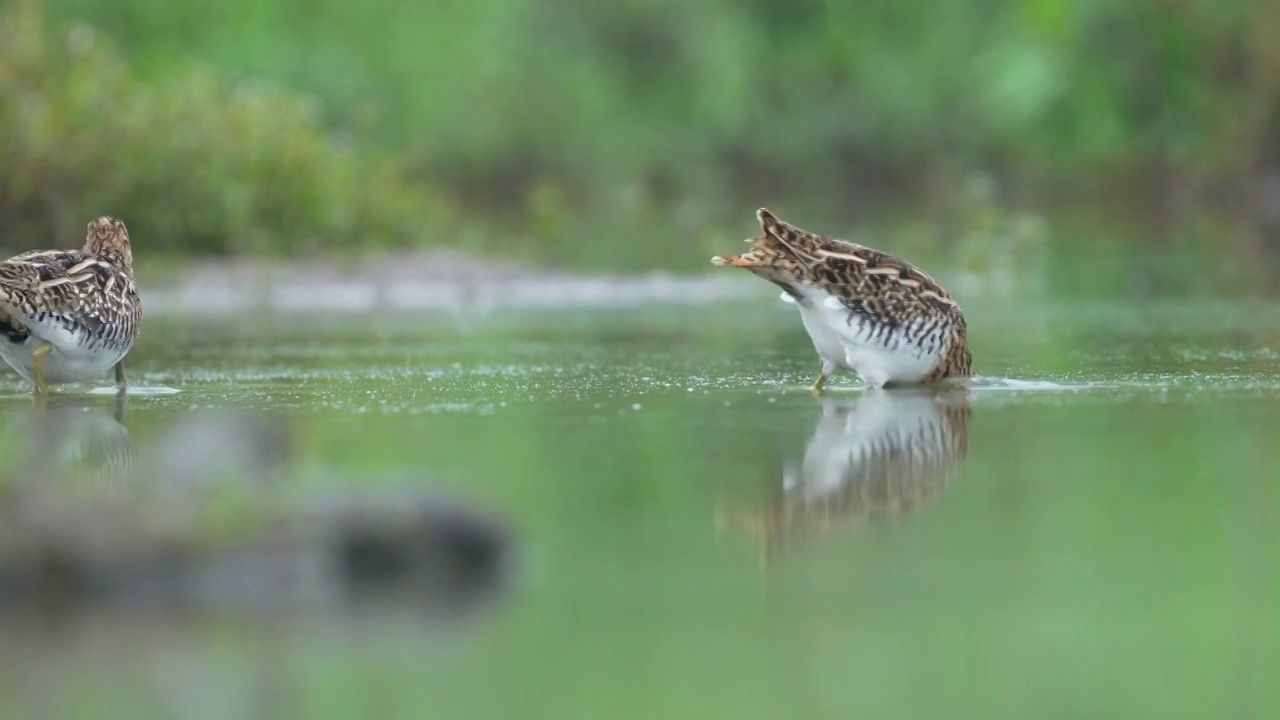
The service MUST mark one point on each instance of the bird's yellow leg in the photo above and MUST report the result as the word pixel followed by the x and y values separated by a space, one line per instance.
pixel 819 384
pixel 828 367
pixel 36 357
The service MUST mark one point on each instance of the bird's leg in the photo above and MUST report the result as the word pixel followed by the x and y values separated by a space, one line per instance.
pixel 36 358
pixel 122 401
pixel 818 384
pixel 121 383
pixel 828 367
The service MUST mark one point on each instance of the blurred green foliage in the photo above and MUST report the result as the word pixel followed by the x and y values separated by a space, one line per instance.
pixel 192 161
pixel 626 133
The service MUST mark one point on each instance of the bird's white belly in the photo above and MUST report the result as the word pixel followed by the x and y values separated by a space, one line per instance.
pixel 877 354
pixel 59 365
pixel 826 340
pixel 879 361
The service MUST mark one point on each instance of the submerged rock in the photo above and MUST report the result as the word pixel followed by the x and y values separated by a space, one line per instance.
pixel 192 522
pixel 430 552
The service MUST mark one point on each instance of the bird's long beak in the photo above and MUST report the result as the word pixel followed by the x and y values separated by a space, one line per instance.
pixel 746 260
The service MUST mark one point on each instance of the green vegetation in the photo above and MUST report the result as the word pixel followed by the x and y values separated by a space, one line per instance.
pixel 193 161
pixel 629 134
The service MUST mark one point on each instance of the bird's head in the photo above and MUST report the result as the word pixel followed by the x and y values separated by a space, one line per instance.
pixel 109 239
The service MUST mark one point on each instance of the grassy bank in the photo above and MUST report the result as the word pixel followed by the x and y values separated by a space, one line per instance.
pixel 632 135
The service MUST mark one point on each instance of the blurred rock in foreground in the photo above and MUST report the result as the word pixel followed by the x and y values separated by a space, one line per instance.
pixel 206 516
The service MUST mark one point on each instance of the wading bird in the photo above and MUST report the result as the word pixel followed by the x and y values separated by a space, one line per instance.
pixel 70 315
pixel 865 310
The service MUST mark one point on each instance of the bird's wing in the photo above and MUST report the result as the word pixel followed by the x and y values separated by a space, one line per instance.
pixel 49 281
pixel 876 284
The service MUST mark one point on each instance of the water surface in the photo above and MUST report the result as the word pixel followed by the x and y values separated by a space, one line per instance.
pixel 1090 530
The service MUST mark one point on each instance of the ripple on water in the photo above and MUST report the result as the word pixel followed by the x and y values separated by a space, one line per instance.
pixel 136 390
pixel 103 391
pixel 977 383
pixel 1001 383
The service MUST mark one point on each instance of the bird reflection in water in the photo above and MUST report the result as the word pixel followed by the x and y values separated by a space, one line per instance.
pixel 64 438
pixel 881 455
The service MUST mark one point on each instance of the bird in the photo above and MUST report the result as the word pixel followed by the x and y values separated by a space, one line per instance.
pixel 70 315
pixel 866 311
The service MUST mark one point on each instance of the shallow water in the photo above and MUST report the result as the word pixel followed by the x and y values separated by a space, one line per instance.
pixel 1088 530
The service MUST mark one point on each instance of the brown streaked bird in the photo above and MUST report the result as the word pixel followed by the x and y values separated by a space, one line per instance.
pixel 865 310
pixel 70 315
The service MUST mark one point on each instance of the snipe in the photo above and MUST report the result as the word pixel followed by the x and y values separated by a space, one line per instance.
pixel 867 311
pixel 70 315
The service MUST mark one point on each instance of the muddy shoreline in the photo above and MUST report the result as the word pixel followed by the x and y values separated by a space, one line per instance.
pixel 440 280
